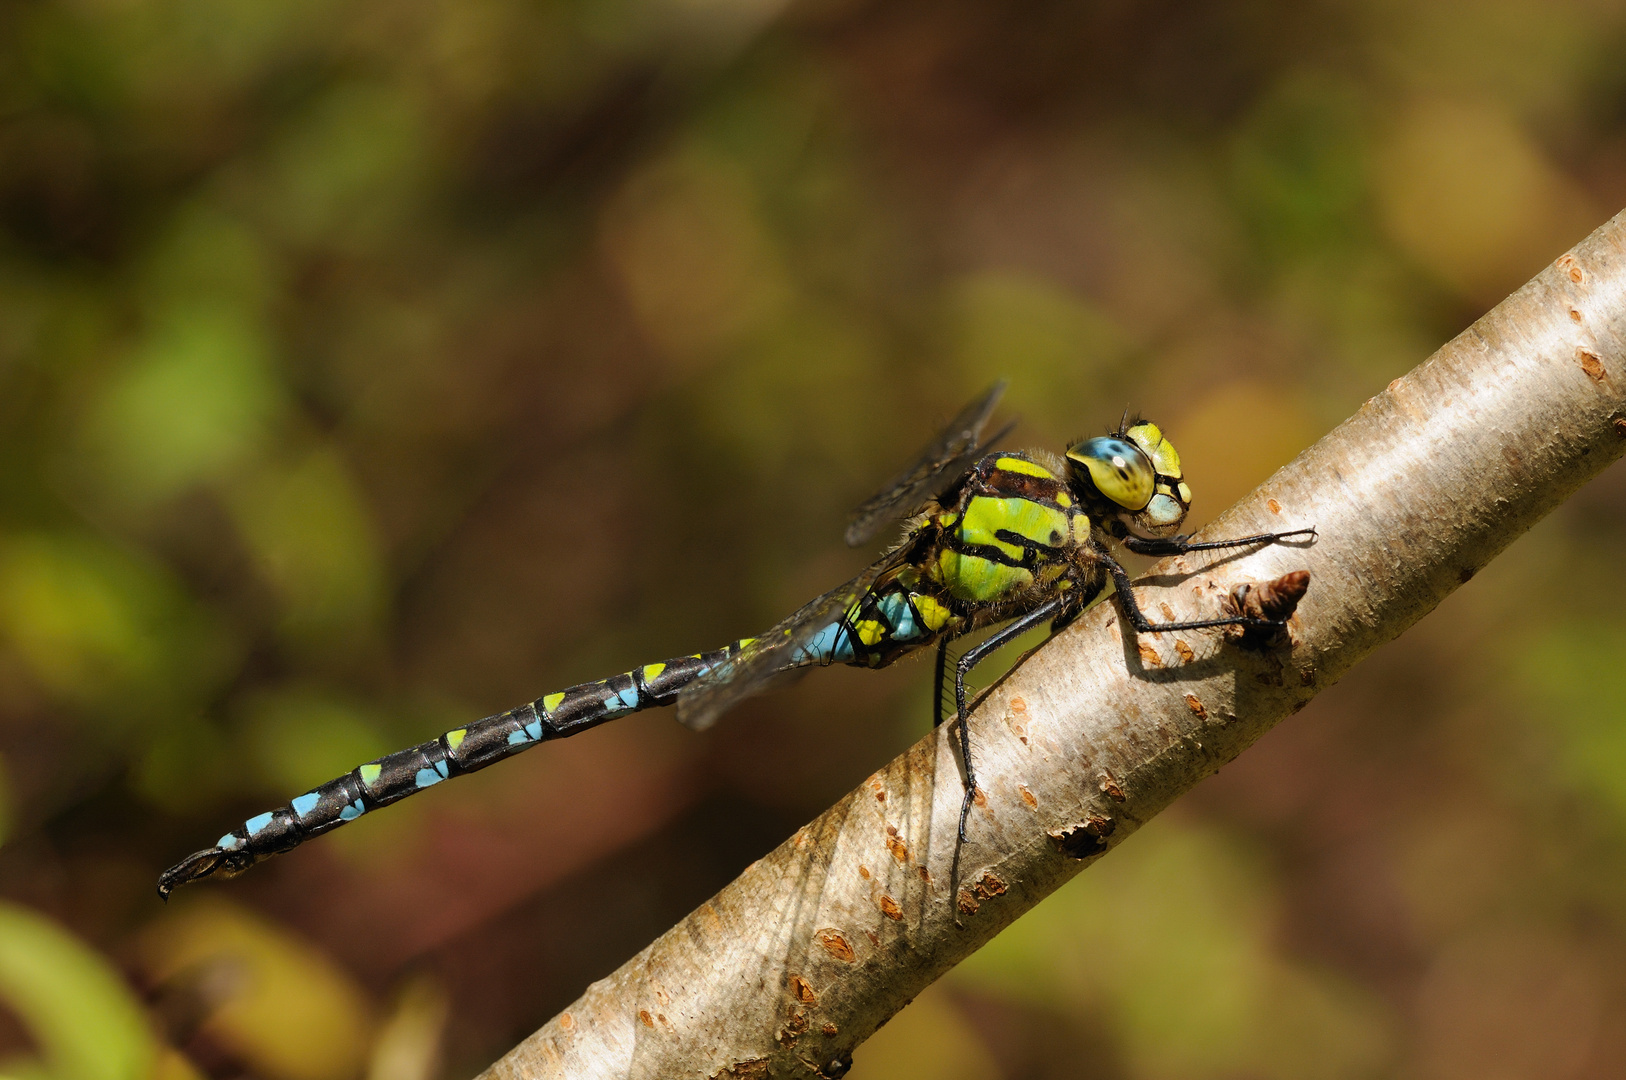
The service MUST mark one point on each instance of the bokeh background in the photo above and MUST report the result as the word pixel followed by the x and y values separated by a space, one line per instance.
pixel 368 367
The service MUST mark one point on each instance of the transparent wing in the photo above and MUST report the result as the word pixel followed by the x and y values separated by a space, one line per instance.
pixel 931 473
pixel 775 652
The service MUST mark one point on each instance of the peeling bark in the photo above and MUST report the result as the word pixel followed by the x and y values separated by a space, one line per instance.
pixel 812 948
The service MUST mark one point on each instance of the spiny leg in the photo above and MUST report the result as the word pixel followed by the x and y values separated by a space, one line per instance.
pixel 970 659
pixel 1179 545
pixel 937 692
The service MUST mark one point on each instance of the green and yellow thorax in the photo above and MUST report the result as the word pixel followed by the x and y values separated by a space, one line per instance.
pixel 1011 526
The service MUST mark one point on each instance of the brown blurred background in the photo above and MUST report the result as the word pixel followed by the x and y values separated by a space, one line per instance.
pixel 368 367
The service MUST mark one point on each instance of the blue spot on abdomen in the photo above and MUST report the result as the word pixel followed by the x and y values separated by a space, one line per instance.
pixel 900 616
pixel 623 702
pixel 833 643
pixel 529 733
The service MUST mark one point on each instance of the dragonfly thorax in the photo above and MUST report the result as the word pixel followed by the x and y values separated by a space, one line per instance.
pixel 1014 526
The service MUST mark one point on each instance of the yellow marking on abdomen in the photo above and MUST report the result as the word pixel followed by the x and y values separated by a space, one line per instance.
pixel 551 702
pixel 454 739
pixel 869 631
pixel 652 671
pixel 932 614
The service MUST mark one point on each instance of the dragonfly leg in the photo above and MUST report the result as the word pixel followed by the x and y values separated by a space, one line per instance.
pixel 962 667
pixel 1081 601
pixel 1138 619
pixel 1179 545
pixel 937 694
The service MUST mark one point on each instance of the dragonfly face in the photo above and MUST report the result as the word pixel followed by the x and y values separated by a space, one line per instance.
pixel 1132 480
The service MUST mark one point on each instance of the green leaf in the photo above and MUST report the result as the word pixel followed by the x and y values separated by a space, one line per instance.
pixel 87 1023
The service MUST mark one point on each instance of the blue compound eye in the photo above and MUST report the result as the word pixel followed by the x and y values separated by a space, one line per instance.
pixel 1118 468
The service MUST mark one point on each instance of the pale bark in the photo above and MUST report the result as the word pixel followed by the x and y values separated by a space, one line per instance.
pixel 812 948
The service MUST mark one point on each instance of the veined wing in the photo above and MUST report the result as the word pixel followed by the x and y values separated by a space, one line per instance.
pixel 788 645
pixel 931 473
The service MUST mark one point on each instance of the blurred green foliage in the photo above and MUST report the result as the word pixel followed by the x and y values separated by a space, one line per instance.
pixel 267 985
pixel 369 367
pixel 86 1023
pixel 1170 945
pixel 1572 674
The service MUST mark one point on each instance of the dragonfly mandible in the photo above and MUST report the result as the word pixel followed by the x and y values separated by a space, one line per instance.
pixel 1005 539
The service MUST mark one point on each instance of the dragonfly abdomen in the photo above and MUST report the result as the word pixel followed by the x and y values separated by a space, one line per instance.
pixel 888 621
pixel 462 750
pixel 896 615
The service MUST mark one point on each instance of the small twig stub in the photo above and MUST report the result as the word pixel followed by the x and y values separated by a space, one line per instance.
pixel 1269 601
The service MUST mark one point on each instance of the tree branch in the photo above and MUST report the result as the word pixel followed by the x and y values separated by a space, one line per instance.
pixel 812 948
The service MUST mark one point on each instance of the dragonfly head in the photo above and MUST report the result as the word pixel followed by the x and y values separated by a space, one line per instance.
pixel 1133 476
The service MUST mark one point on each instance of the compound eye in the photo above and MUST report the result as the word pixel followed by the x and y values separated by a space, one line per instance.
pixel 1119 469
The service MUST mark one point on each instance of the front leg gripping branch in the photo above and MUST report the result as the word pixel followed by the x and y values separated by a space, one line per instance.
pixel 1179 545
pixel 1260 622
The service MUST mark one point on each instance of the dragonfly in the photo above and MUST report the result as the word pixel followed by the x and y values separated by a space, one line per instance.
pixel 1003 539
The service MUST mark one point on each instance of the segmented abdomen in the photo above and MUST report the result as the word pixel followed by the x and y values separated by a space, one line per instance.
pixel 887 621
pixel 890 620
pixel 461 750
